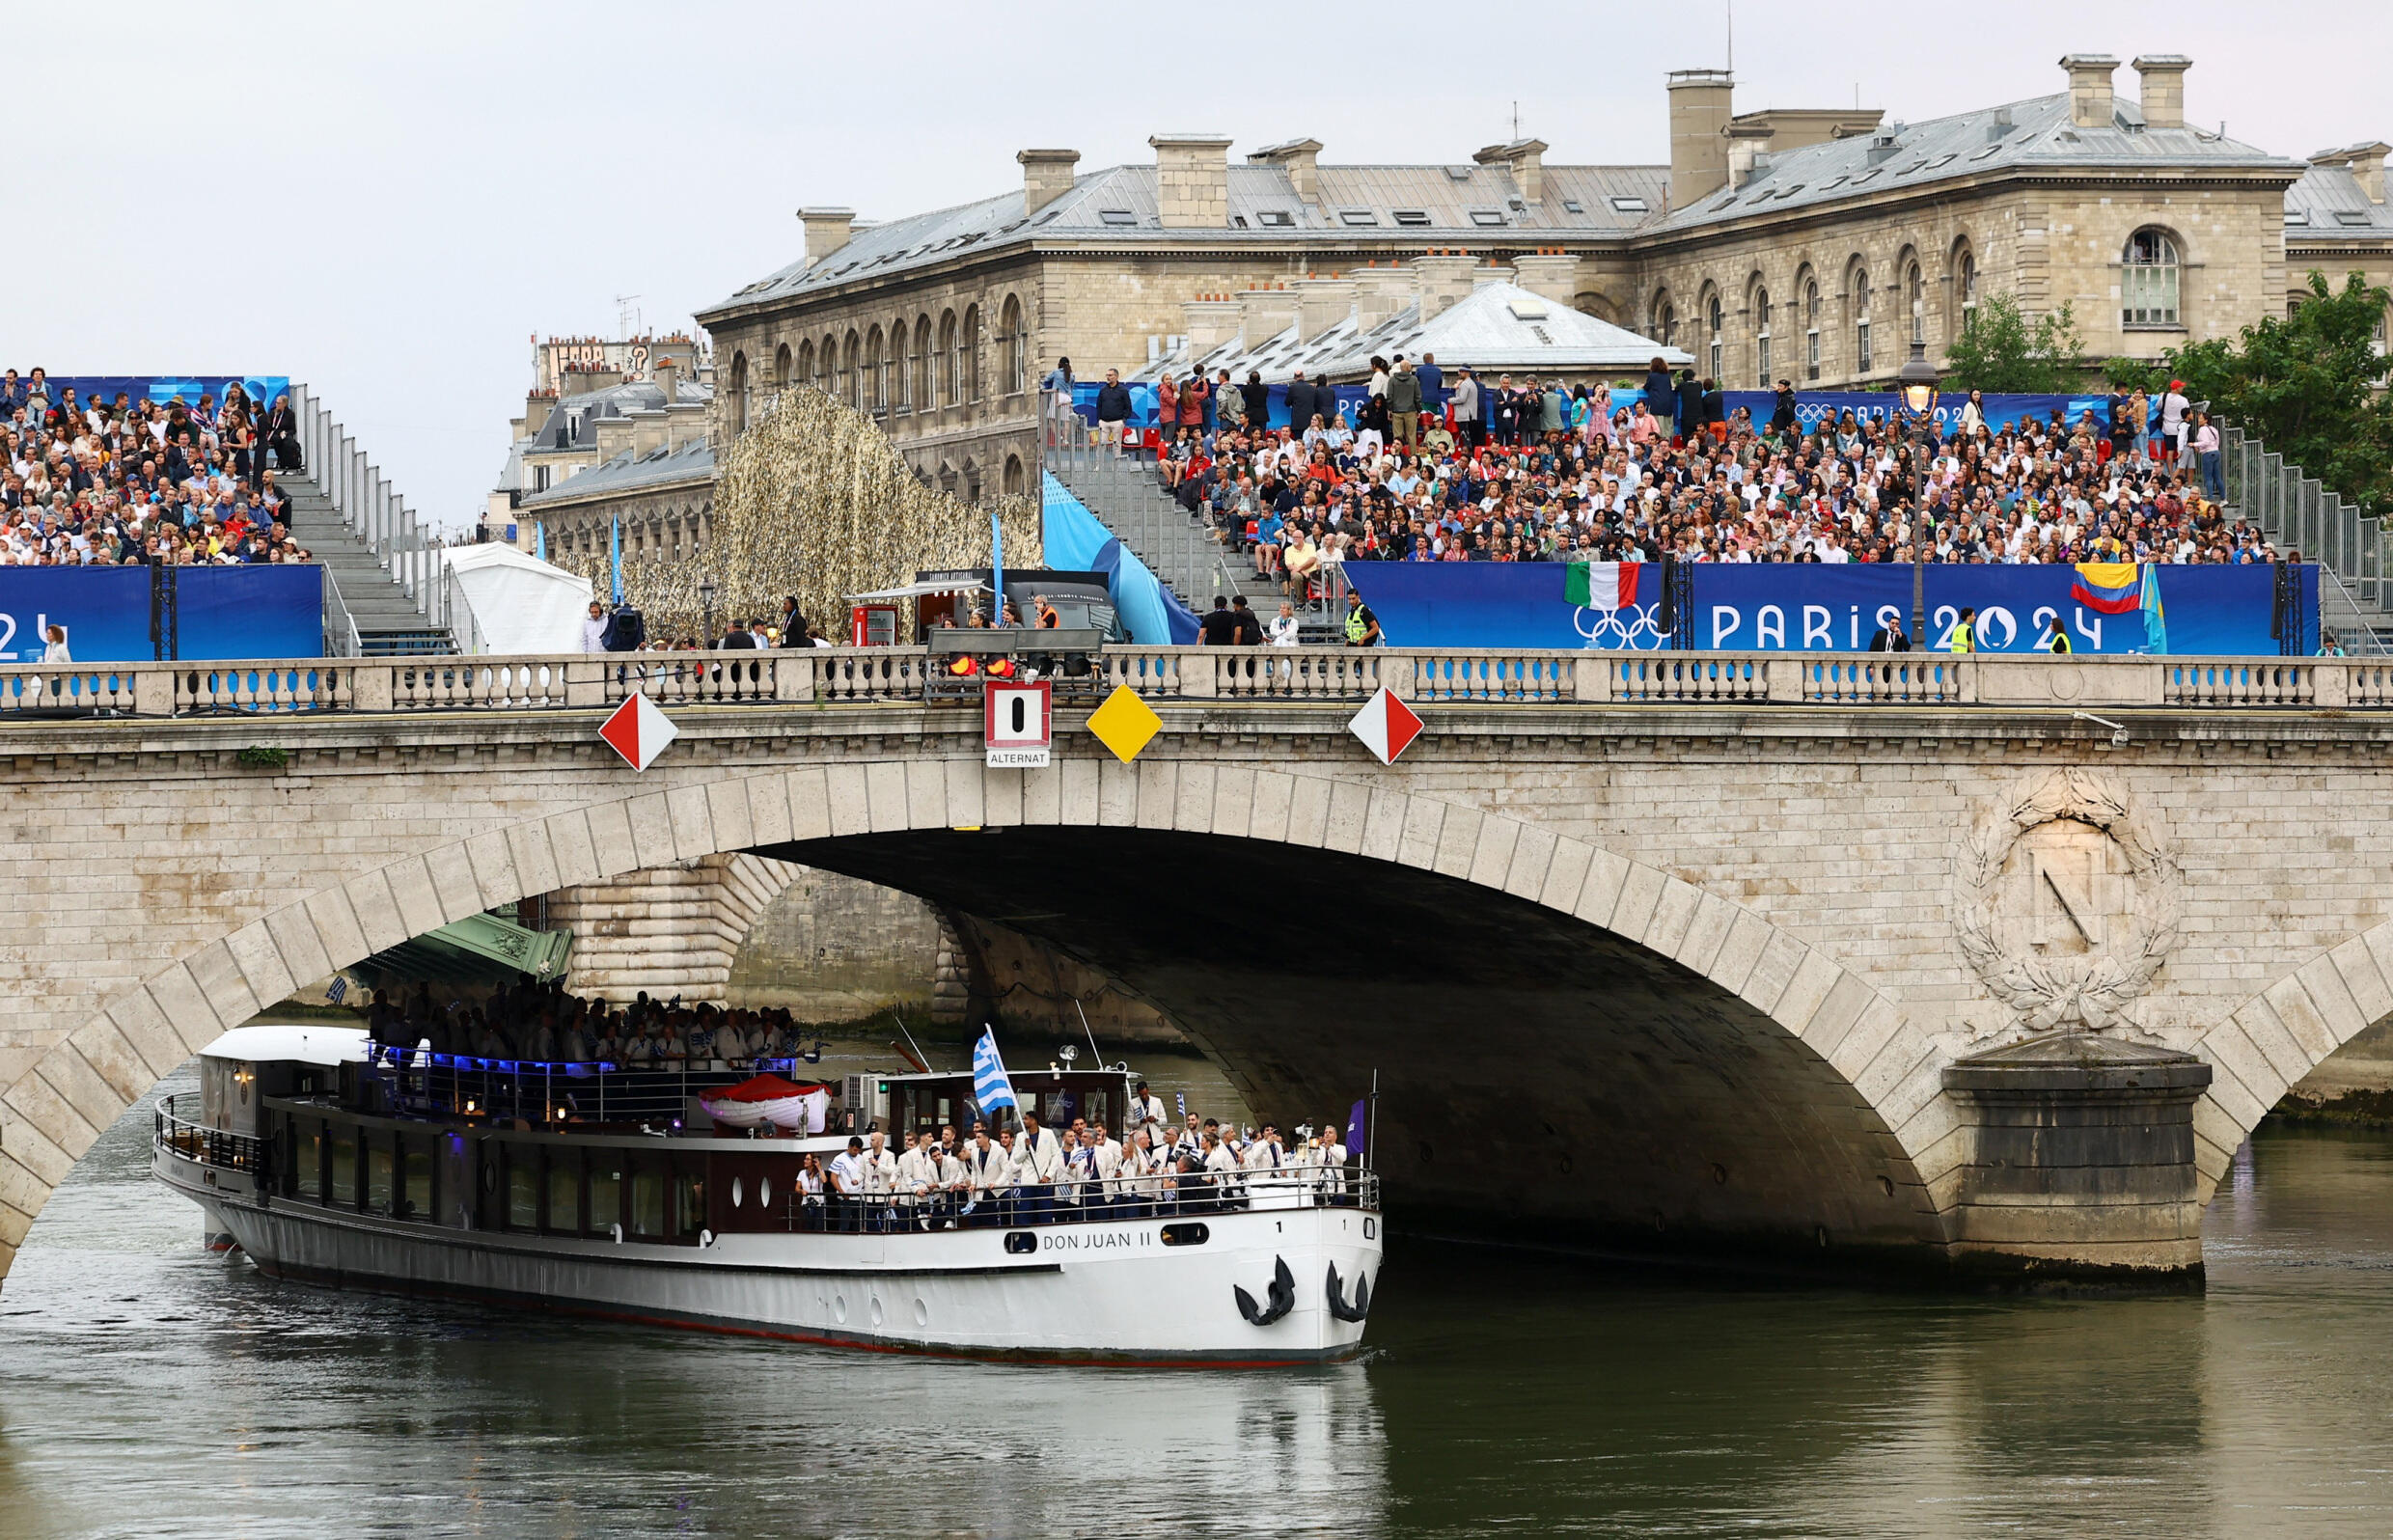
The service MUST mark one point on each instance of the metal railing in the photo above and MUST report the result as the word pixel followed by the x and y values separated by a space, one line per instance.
pixel 208 1146
pixel 1193 1195
pixel 2297 512
pixel 554 1094
pixel 371 509
pixel 836 676
pixel 340 636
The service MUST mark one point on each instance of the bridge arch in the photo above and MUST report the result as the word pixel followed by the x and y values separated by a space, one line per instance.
pixel 2267 1045
pixel 1820 1099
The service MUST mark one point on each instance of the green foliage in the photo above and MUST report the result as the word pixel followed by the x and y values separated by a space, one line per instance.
pixel 261 756
pixel 2126 373
pixel 2001 349
pixel 2310 386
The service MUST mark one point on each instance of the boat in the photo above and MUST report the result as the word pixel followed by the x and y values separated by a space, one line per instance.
pixel 612 1192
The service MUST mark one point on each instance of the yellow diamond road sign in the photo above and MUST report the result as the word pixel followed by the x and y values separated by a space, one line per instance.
pixel 1124 724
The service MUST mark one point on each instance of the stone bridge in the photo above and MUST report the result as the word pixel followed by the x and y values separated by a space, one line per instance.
pixel 1684 951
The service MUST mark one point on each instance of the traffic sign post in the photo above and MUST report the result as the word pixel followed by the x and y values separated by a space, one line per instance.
pixel 1019 726
pixel 637 732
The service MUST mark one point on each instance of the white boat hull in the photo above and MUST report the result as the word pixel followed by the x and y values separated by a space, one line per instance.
pixel 1107 1290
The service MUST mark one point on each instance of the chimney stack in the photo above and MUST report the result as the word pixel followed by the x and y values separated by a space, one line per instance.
pixel 1380 292
pixel 1301 158
pixel 2090 101
pixel 2365 162
pixel 1263 314
pixel 1209 322
pixel 648 430
pixel 684 422
pixel 1446 281
pixel 1046 176
pixel 1548 275
pixel 611 435
pixel 668 373
pixel 1746 144
pixel 826 230
pixel 1524 158
pixel 1321 303
pixel 2164 88
pixel 1699 113
pixel 1191 180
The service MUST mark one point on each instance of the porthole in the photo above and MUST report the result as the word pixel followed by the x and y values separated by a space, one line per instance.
pixel 1190 1234
pixel 1021 1243
pixel 921 1312
pixel 838 1308
pixel 876 1310
pixel 764 1192
pixel 735 1191
pixel 1719 1176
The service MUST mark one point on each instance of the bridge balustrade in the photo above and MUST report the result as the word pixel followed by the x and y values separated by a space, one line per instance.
pixel 1440 676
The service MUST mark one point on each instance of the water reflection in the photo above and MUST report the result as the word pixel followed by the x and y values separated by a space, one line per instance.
pixel 149 1389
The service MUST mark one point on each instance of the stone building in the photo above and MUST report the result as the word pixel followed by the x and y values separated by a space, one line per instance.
pixel 632 415
pixel 1813 244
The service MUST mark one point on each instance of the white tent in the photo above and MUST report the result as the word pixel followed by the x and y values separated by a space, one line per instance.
pixel 513 603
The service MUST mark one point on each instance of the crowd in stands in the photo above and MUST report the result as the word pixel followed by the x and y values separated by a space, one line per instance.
pixel 118 481
pixel 541 1024
pixel 1533 469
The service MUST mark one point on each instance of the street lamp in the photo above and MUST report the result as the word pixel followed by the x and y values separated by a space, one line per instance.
pixel 707 611
pixel 1916 381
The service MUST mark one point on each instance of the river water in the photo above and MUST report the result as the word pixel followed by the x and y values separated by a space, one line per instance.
pixel 148 1388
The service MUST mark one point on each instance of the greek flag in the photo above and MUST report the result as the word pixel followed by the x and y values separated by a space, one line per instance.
pixel 336 990
pixel 990 1086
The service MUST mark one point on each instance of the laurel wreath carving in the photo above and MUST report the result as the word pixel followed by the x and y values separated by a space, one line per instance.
pixel 2088 991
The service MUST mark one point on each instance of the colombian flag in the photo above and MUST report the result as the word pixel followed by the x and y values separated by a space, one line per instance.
pixel 2107 586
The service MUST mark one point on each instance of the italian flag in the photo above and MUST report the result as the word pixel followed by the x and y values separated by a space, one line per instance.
pixel 1602 585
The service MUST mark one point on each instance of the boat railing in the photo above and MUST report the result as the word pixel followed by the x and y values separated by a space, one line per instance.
pixel 555 1093
pixel 209 1146
pixel 1193 1196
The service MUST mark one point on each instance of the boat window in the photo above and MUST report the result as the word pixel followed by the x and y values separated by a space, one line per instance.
pixel 1188 1235
pixel 418 1194
pixel 737 1192
pixel 648 1200
pixel 523 1187
pixel 765 1193
pixel 311 1161
pixel 345 1166
pixel 606 1191
pixel 689 1200
pixel 1021 1243
pixel 377 1172
pixel 565 1191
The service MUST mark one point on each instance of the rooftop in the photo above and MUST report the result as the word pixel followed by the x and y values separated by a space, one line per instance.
pixel 631 472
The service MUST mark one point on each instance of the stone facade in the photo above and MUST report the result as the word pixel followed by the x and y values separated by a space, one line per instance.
pixel 1730 941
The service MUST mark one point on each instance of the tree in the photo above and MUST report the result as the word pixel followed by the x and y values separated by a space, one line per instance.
pixel 2310 386
pixel 2001 350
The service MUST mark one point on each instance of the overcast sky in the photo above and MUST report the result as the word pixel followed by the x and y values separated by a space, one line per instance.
pixel 387 203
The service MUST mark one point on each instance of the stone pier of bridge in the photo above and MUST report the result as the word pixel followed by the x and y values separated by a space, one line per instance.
pixel 1974 987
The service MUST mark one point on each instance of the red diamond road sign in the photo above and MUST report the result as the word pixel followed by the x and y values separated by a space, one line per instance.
pixel 639 731
pixel 1386 725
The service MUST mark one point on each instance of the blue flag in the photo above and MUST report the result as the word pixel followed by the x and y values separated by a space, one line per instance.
pixel 1354 1131
pixel 2156 621
pixel 991 1088
pixel 614 558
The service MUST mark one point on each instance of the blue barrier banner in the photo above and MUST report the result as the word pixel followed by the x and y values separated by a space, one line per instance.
pixel 1786 607
pixel 163 388
pixel 246 612
pixel 200 611
pixel 105 609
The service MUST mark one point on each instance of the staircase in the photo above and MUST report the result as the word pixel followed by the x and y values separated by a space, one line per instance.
pixel 2355 592
pixel 386 620
pixel 388 597
pixel 1125 493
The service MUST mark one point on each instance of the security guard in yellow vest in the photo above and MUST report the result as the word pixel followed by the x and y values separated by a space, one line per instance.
pixel 1362 625
pixel 1965 633
pixel 2060 637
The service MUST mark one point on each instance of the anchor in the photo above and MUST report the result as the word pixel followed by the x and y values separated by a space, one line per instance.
pixel 1283 1296
pixel 1338 1307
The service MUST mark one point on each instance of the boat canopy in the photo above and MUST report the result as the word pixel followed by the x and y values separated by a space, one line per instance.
pixel 293 1043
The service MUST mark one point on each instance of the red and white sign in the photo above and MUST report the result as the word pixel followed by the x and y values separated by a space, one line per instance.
pixel 1386 725
pixel 1020 728
pixel 639 731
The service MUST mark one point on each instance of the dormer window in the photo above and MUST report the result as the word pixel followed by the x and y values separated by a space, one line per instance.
pixel 1117 216
pixel 1411 216
pixel 1275 218
pixel 1628 206
pixel 1356 216
pixel 1487 216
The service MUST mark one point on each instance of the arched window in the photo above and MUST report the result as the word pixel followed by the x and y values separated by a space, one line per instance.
pixel 1915 290
pixel 739 393
pixel 1860 289
pixel 1761 338
pixel 827 368
pixel 1661 319
pixel 1811 328
pixel 925 393
pixel 851 371
pixel 946 361
pixel 901 351
pixel 1014 345
pixel 807 365
pixel 876 393
pixel 780 369
pixel 1965 289
pixel 1013 473
pixel 1715 315
pixel 971 377
pixel 972 474
pixel 892 365
pixel 2148 281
